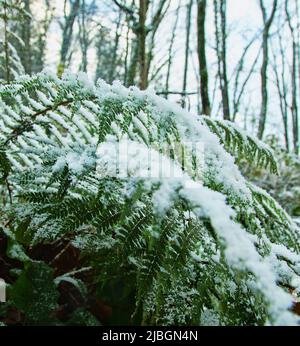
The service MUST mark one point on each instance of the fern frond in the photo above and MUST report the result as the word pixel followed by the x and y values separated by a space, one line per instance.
pixel 242 145
pixel 60 136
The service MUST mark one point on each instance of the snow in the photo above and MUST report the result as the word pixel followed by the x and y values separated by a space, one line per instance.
pixel 26 110
pixel 192 129
pixel 77 162
pixel 133 157
pixel 44 99
pixel 209 318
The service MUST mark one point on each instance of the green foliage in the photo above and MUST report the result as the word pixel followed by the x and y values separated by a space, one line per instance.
pixel 175 249
pixel 284 187
pixel 81 317
pixel 242 145
pixel 35 294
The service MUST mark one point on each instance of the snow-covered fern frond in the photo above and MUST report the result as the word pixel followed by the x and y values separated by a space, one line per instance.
pixel 199 236
pixel 242 145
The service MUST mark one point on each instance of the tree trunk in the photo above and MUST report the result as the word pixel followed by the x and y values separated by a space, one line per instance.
pixel 116 49
pixel 187 51
pixel 67 34
pixel 139 52
pixel 143 9
pixel 281 88
pixel 202 57
pixel 221 36
pixel 170 52
pixel 126 56
pixel 264 67
pixel 294 105
pixel 26 38
pixel 133 62
pixel 39 52
pixel 225 96
pixel 5 43
pixel 83 36
pixel 156 20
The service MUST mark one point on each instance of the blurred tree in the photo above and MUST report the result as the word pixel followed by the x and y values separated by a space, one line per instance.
pixel 12 13
pixel 264 81
pixel 187 51
pixel 138 16
pixel 202 57
pixel 294 105
pixel 33 32
pixel 221 36
pixel 67 32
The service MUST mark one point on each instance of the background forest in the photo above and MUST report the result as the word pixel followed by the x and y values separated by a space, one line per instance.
pixel 236 62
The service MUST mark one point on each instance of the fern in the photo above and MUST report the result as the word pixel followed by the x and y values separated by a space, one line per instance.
pixel 189 243
pixel 243 146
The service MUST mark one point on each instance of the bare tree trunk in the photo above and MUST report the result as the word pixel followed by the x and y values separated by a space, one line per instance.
pixel 132 48
pixel 226 108
pixel 282 89
pixel 187 51
pixel 5 43
pixel 220 32
pixel 170 52
pixel 238 94
pixel 83 36
pixel 156 20
pixel 202 57
pixel 294 106
pixel 264 67
pixel 115 50
pixel 139 54
pixel 126 56
pixel 143 9
pixel 25 35
pixel 298 42
pixel 67 34
pixel 39 53
pixel 133 62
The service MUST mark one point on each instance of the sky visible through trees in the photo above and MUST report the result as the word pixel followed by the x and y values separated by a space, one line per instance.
pixel 244 37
